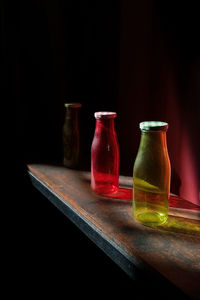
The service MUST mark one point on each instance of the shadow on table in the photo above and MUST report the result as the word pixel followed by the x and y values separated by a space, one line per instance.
pixel 181 225
pixel 121 194
pixel 184 216
pixel 123 214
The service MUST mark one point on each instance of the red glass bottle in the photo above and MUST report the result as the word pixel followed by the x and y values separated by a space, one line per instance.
pixel 105 155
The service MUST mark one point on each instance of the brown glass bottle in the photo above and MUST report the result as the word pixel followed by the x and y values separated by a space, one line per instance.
pixel 70 136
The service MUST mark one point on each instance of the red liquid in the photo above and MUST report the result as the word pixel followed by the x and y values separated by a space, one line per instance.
pixel 104 183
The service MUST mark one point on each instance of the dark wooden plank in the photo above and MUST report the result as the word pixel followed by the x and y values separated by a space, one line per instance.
pixel 171 251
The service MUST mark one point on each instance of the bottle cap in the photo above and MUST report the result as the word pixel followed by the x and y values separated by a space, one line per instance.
pixel 153 126
pixel 105 115
pixel 73 105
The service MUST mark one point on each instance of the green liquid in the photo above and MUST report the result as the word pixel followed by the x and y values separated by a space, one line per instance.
pixel 150 206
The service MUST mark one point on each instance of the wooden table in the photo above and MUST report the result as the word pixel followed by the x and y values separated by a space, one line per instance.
pixel 170 252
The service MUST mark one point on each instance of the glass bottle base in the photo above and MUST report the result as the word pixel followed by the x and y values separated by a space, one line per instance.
pixel 150 218
pixel 102 183
pixel 104 190
pixel 150 208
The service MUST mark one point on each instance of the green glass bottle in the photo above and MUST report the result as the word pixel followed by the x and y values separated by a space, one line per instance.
pixel 151 175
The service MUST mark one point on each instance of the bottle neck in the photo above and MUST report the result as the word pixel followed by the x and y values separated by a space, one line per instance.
pixel 71 116
pixel 105 125
pixel 151 138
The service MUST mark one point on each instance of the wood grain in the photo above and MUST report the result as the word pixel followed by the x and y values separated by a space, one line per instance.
pixel 172 250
